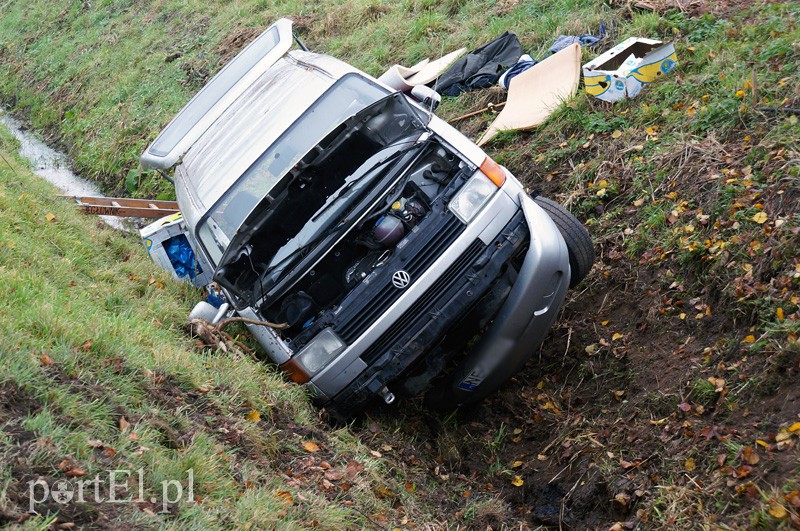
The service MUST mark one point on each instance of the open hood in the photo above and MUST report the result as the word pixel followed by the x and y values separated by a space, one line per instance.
pixel 217 95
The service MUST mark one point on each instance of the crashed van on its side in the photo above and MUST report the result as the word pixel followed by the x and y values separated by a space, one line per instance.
pixel 383 238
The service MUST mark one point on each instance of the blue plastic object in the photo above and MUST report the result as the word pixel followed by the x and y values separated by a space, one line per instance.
pixel 181 256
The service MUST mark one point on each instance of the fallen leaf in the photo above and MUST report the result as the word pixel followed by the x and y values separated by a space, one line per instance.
pixel 47 360
pixel 616 336
pixel 793 498
pixel 794 427
pixel 95 443
pixel 516 464
pixel 760 217
pixel 124 425
pixel 517 481
pixel 253 416
pixel 690 464
pixel 310 446
pixel 749 339
pixel 383 492
pixel 352 469
pixel 285 496
pixel 50 217
pixel 685 407
pixel 718 383
pixel 334 475
pixel 618 395
pixel 109 451
pixel 76 472
pixel 749 456
pixel 779 314
pixel 778 511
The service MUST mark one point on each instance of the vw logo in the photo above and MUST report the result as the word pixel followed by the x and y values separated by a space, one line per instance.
pixel 401 279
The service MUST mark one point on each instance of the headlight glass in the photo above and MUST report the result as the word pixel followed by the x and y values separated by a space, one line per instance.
pixel 320 351
pixel 472 196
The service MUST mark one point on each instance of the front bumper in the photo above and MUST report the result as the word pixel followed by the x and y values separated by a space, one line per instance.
pixel 522 322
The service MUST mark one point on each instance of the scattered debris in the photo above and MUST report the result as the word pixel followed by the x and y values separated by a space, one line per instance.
pixel 534 94
pixel 625 69
pixel 481 68
pixel 167 242
pixel 124 207
pixel 405 78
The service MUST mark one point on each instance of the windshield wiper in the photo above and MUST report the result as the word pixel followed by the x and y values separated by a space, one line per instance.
pixel 341 192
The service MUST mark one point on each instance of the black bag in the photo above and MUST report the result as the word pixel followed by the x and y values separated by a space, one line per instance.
pixel 482 67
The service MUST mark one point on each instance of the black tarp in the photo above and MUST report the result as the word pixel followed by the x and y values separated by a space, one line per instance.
pixel 481 68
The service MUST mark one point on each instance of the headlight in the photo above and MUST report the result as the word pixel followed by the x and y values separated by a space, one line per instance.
pixel 320 351
pixel 472 196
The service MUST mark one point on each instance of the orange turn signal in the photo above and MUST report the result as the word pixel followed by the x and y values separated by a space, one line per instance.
pixel 493 171
pixel 294 372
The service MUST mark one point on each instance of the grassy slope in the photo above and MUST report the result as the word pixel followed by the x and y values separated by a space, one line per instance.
pixel 90 334
pixel 672 185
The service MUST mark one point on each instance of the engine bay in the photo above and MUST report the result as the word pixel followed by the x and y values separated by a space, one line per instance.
pixel 370 244
pixel 361 191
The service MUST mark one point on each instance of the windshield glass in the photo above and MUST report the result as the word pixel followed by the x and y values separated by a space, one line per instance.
pixel 347 97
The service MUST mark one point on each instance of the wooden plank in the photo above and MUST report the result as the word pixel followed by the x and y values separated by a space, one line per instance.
pixel 125 207
pixel 125 212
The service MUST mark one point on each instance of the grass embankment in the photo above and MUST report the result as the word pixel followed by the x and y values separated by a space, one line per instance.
pixel 97 374
pixel 667 394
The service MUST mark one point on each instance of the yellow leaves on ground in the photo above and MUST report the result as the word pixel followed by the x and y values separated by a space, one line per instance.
pixel 760 217
pixel 50 217
pixel 311 446
pixel 517 481
pixel 616 336
pixel 794 427
pixel 616 134
pixel 690 464
pixel 253 416
pixel 779 314
pixel 749 339
pixel 778 511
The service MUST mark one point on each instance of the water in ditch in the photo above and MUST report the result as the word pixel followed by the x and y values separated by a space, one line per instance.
pixel 53 166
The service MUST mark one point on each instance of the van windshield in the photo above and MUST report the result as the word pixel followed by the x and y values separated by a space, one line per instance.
pixel 348 96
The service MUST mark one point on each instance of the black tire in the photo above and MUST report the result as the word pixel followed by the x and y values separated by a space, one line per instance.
pixel 579 243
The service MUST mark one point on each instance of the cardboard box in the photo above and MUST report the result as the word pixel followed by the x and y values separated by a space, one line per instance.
pixel 158 236
pixel 623 71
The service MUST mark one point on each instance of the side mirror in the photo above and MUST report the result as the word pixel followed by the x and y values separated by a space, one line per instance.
pixel 427 97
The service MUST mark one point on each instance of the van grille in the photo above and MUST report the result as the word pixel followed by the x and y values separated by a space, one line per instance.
pixel 360 316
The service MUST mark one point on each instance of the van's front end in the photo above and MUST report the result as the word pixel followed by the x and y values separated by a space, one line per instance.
pixel 383 238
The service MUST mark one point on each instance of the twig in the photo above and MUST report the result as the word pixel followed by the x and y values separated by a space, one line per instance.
pixel 569 338
pixel 9 165
pixel 789 110
pixel 229 320
pixel 490 107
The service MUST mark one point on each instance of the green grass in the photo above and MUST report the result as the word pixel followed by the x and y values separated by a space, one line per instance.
pixel 670 185
pixel 91 333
